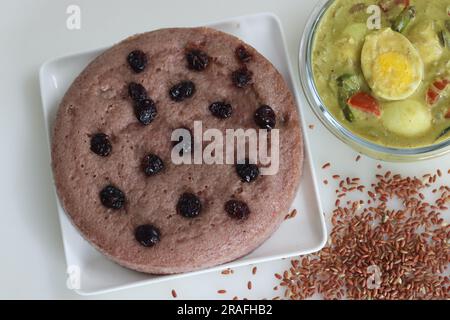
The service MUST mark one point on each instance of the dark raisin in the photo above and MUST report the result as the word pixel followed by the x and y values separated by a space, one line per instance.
pixel 265 117
pixel 221 110
pixel 247 171
pixel 147 235
pixel 242 54
pixel 197 60
pixel 145 111
pixel 152 164
pixel 237 209
pixel 242 77
pixel 112 198
pixel 182 90
pixel 186 145
pixel 137 91
pixel 101 145
pixel 137 60
pixel 189 205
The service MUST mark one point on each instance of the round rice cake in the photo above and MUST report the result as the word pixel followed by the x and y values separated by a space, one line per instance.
pixel 111 151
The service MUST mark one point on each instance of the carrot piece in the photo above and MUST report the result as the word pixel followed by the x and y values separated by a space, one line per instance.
pixel 387 5
pixel 447 115
pixel 432 97
pixel 365 102
pixel 441 84
pixel 435 90
pixel 405 3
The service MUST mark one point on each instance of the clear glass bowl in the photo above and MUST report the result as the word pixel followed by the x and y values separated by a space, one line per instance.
pixel 332 124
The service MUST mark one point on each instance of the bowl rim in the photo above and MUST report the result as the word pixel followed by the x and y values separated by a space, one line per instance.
pixel 329 120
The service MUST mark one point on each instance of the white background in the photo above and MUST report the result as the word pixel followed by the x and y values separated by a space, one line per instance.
pixel 32 263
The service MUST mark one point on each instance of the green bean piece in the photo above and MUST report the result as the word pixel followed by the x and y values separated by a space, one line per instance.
pixel 348 114
pixel 348 85
pixel 443 133
pixel 444 38
pixel 444 35
pixel 404 19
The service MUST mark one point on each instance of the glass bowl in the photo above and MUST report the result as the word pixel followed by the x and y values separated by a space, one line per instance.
pixel 332 124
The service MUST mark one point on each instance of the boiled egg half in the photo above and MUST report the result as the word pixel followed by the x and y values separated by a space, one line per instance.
pixel 391 65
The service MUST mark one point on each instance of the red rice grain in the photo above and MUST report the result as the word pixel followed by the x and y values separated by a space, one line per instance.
pixel 409 246
pixel 254 269
pixel 326 165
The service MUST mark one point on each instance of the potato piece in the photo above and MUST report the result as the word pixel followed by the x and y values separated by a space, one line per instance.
pixel 350 45
pixel 425 38
pixel 407 118
pixel 356 31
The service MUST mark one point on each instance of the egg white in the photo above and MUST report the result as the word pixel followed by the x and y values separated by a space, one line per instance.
pixel 391 65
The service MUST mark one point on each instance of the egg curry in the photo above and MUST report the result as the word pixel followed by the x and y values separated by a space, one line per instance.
pixel 389 84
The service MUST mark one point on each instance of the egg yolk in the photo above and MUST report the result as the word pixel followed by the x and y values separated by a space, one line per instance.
pixel 393 71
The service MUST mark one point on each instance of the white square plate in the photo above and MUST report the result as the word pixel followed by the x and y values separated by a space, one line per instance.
pixel 304 234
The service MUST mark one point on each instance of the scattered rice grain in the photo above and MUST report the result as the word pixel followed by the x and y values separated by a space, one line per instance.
pixel 408 245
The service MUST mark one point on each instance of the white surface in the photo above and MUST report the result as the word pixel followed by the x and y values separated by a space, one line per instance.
pixel 31 252
pixel 303 234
